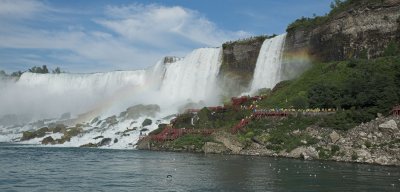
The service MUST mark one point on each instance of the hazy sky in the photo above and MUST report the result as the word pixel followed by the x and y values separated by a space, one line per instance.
pixel 99 35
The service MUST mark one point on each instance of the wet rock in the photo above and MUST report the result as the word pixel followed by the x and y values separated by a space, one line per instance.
pixel 98 137
pixel 48 140
pixel 103 142
pixel 147 122
pixel 334 137
pixel 94 120
pixel 27 135
pixel 89 145
pixel 144 130
pixel 59 128
pixel 111 120
pixel 137 111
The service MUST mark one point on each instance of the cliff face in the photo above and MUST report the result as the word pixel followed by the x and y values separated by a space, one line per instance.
pixel 362 31
pixel 238 63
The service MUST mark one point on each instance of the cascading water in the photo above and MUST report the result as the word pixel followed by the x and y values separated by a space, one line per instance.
pixel 194 77
pixel 49 95
pixel 268 68
pixel 170 83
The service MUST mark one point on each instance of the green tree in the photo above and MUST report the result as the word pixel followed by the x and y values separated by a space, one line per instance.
pixel 42 69
pixel 57 70
pixel 16 74
pixel 392 49
pixel 324 96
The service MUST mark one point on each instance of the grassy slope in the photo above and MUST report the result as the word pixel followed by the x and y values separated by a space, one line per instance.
pixel 333 73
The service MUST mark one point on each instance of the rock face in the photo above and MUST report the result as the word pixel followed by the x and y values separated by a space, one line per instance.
pixel 363 30
pixel 137 111
pixel 230 141
pixel 334 137
pixel 239 60
pixel 211 147
pixel 310 153
pixel 390 125
pixel 48 140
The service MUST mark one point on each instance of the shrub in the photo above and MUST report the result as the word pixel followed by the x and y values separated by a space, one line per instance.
pixel 392 49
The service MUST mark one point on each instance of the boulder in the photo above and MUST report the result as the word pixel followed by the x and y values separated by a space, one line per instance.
pixel 363 154
pixel 137 111
pixel 211 147
pixel 48 140
pixel 297 153
pixel 382 160
pixel 389 125
pixel 98 137
pixel 310 153
pixel 147 122
pixel 27 135
pixel 334 137
pixel 105 141
pixel 230 141
pixel 89 145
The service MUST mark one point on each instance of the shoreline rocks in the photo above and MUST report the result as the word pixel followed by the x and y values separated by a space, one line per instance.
pixel 375 142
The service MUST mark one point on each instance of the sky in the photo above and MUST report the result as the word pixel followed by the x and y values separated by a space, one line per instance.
pixel 98 35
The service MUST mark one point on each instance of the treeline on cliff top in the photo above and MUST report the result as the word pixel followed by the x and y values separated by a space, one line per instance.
pixel 337 6
pixel 34 69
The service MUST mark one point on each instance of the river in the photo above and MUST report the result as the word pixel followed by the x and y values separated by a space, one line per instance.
pixel 33 168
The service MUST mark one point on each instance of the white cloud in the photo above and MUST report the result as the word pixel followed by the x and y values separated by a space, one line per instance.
pixel 20 8
pixel 163 26
pixel 136 36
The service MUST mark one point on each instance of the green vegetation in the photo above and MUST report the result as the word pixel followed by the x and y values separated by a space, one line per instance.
pixel 392 49
pixel 160 128
pixel 34 69
pixel 359 89
pixel 206 119
pixel 328 153
pixel 337 6
pixel 191 140
pixel 354 156
pixel 42 69
pixel 280 134
pixel 245 41
pixel 27 135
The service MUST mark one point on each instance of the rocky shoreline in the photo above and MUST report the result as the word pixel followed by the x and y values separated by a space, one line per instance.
pixel 375 142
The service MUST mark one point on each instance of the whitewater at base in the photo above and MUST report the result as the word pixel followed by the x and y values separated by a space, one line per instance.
pixel 90 100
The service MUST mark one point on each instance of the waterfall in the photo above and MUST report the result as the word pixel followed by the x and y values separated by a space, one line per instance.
pixel 268 68
pixel 194 77
pixel 49 95
pixel 170 82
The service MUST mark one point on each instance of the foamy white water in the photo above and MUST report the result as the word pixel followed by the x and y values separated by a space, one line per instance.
pixel 268 68
pixel 193 78
pixel 169 84
pixel 50 95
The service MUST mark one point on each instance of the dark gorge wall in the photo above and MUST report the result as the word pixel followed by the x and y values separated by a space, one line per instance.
pixel 360 31
pixel 239 60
